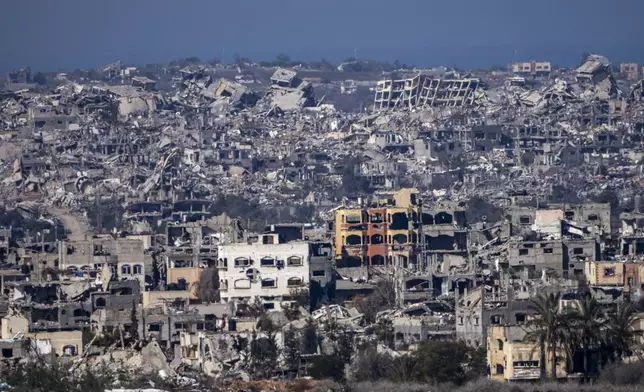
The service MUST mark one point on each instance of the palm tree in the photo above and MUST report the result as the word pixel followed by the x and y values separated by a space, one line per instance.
pixel 547 328
pixel 587 321
pixel 621 332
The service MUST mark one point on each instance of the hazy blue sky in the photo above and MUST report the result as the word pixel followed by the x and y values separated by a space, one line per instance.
pixel 62 34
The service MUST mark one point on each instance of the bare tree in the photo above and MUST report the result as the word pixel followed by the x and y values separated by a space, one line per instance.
pixel 383 297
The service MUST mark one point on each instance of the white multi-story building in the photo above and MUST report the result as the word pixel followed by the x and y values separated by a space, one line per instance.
pixel 267 270
pixel 536 68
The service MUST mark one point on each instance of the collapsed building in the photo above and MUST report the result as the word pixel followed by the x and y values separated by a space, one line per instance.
pixel 424 92
pixel 467 195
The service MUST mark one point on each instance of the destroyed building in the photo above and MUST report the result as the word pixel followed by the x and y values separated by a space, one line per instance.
pixel 466 194
pixel 424 92
pixel 532 68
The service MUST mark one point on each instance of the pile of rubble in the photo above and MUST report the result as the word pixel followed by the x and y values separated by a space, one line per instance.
pixel 437 215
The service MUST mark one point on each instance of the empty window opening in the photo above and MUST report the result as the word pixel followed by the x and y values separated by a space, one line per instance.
pixel 443 218
pixel 294 282
pixel 354 218
pixel 100 303
pixel 69 351
pixel 499 369
pixel 294 261
pixel 399 221
pixel 377 260
pixel 269 283
pixel 400 239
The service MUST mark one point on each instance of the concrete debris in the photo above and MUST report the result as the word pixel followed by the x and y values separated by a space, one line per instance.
pixel 421 92
pixel 135 390
pixel 184 216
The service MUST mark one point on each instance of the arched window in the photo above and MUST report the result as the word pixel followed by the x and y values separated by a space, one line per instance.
pixel 294 261
pixel 242 284
pixel 399 221
pixel 400 239
pixel 125 269
pixel 138 269
pixel 69 350
pixel 100 303
pixel 267 261
pixel 269 283
pixel 354 240
pixel 443 218
pixel 499 369
pixel 428 219
pixel 294 282
pixel 242 262
pixel 377 260
pixel 377 239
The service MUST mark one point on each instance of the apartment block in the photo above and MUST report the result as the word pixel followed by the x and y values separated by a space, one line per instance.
pixel 532 68
pixel 266 270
